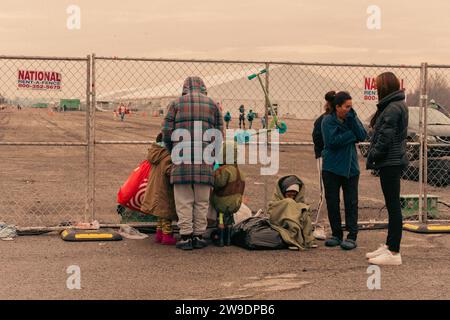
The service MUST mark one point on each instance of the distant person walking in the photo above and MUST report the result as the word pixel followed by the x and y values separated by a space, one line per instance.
pixel 192 181
pixel 122 111
pixel 227 118
pixel 241 116
pixel 250 117
pixel 341 130
pixel 387 152
pixel 263 121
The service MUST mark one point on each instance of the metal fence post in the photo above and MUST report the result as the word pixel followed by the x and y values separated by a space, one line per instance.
pixel 90 135
pixel 87 211
pixel 422 139
pixel 424 105
pixel 266 115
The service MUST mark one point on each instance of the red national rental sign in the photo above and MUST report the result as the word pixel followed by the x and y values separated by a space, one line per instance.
pixel 41 80
pixel 370 88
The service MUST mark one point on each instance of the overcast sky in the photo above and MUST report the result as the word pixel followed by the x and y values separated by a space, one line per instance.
pixel 295 30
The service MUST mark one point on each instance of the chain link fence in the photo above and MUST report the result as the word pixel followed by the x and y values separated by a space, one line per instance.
pixel 42 140
pixel 48 184
pixel 437 142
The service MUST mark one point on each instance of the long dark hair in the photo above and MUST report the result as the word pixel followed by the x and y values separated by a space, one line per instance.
pixel 329 97
pixel 339 100
pixel 387 83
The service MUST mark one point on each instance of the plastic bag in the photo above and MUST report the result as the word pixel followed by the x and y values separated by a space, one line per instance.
pixel 131 194
pixel 131 233
pixel 7 232
pixel 243 213
pixel 256 233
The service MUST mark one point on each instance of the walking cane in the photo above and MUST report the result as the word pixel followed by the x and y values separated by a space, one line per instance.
pixel 319 232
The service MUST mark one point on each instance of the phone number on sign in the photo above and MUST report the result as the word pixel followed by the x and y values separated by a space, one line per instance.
pixel 38 86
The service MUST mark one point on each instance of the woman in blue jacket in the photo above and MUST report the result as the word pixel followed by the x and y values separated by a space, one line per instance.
pixel 341 130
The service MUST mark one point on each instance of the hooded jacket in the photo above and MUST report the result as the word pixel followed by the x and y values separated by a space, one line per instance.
pixel 229 186
pixel 193 106
pixel 317 137
pixel 339 153
pixel 291 218
pixel 158 198
pixel 388 142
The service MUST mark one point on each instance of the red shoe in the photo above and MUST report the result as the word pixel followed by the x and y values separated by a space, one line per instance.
pixel 168 239
pixel 159 236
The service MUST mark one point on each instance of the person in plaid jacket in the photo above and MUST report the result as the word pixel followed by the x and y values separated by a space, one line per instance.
pixel 192 182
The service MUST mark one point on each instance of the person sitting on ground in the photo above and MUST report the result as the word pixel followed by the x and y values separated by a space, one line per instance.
pixel 227 118
pixel 229 186
pixel 159 198
pixel 289 215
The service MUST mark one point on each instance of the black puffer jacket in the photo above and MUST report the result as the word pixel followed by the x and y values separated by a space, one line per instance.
pixel 317 137
pixel 388 142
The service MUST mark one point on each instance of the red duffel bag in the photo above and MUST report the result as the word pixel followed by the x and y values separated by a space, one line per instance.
pixel 131 194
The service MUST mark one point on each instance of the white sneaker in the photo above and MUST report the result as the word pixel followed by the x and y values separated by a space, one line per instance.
pixel 382 249
pixel 319 233
pixel 387 259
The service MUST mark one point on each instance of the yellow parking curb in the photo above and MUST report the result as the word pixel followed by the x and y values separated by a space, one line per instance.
pixel 427 228
pixel 90 235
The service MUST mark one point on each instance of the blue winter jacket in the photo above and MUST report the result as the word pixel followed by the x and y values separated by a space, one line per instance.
pixel 339 153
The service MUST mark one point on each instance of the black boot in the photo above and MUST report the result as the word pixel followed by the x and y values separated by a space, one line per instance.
pixel 227 236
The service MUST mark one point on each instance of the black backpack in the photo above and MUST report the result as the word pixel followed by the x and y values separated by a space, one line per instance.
pixel 256 233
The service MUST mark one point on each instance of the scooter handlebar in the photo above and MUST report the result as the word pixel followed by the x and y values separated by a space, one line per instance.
pixel 253 76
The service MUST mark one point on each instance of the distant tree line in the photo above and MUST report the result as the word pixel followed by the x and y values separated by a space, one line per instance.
pixel 438 90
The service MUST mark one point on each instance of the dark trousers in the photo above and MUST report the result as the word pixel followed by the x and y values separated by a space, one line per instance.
pixel 332 184
pixel 241 121
pixel 390 184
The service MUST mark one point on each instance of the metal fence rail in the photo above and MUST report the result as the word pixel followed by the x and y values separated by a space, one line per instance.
pixel 45 182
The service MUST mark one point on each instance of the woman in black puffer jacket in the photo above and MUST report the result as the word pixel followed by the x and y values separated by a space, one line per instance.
pixel 387 152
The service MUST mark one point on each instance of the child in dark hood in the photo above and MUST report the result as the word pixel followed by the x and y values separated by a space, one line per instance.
pixel 289 215
pixel 290 187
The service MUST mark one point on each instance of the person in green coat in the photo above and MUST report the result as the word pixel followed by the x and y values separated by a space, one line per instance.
pixel 229 186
